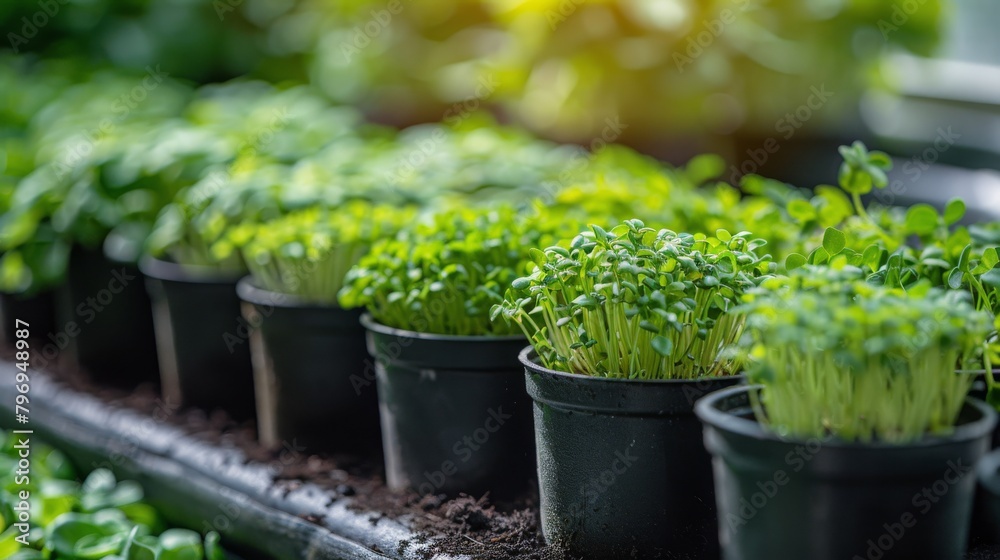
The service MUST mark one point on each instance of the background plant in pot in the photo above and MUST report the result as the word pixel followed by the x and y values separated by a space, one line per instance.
pixel 899 247
pixel 628 328
pixel 455 416
pixel 977 272
pixel 308 354
pixel 202 345
pixel 85 187
pixel 858 414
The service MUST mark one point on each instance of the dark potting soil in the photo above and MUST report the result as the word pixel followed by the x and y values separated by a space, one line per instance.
pixel 988 552
pixel 466 525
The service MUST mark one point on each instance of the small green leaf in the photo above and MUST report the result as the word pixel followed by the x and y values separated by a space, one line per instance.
pixel 872 257
pixel 801 210
pixel 648 326
pixel 794 260
pixel 964 258
pixel 954 211
pixel 521 283
pixel 834 240
pixel 990 258
pixel 662 345
pixel 921 219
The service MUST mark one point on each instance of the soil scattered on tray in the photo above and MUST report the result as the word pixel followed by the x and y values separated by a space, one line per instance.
pixel 466 525
pixel 984 553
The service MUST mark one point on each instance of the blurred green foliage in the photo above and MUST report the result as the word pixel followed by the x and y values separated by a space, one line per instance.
pixel 99 519
pixel 559 67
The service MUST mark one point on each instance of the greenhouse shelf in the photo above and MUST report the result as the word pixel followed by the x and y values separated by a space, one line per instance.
pixel 201 486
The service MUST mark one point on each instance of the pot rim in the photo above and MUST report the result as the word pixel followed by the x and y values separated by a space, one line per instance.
pixel 161 269
pixel 712 417
pixel 371 324
pixel 250 292
pixel 527 356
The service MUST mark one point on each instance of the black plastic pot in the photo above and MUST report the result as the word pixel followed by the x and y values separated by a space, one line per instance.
pixel 828 500
pixel 202 340
pixel 38 310
pixel 621 467
pixel 309 368
pixel 105 320
pixel 455 417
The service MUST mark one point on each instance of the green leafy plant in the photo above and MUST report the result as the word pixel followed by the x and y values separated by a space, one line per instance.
pixel 980 276
pixel 915 248
pixel 836 225
pixel 445 274
pixel 99 519
pixel 307 253
pixel 636 302
pixel 616 183
pixel 840 357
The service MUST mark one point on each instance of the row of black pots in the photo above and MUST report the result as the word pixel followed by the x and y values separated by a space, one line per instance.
pixel 203 353
pixel 98 321
pixel 622 465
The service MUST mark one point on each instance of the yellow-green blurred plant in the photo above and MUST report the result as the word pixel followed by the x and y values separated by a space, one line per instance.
pixel 575 69
pixel 307 253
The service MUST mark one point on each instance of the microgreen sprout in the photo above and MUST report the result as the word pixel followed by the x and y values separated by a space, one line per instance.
pixel 444 275
pixel 840 357
pixel 636 302
pixel 307 253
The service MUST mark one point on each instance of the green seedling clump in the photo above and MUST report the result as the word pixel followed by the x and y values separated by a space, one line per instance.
pixel 444 275
pixel 839 357
pixel 99 519
pixel 636 302
pixel 308 253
